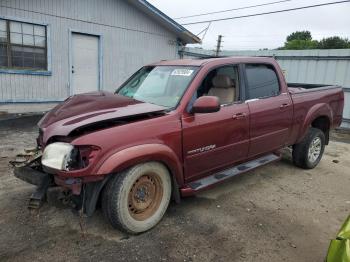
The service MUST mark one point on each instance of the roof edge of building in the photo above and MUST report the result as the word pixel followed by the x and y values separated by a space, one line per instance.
pixel 182 33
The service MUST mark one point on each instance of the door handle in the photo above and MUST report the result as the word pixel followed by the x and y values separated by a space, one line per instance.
pixel 239 116
pixel 284 106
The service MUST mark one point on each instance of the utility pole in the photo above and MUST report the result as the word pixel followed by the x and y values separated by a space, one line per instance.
pixel 218 46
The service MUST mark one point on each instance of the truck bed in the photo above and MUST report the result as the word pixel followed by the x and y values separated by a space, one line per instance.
pixel 301 87
pixel 310 97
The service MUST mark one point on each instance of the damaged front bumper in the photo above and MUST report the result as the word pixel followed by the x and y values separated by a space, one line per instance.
pixel 27 168
pixel 37 178
pixel 83 192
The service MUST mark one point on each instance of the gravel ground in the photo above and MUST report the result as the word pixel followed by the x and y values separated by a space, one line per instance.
pixel 276 213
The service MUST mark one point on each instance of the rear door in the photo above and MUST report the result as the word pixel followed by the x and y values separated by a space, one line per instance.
pixel 270 110
pixel 215 140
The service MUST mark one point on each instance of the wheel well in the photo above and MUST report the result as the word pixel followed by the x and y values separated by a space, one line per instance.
pixel 323 124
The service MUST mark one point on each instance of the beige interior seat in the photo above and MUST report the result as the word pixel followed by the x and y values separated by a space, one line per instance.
pixel 223 87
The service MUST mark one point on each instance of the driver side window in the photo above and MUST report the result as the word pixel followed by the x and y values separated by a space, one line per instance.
pixel 222 82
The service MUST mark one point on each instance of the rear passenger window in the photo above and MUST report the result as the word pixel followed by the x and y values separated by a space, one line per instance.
pixel 262 81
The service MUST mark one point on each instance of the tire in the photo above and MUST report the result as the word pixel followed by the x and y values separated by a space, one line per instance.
pixel 306 154
pixel 134 201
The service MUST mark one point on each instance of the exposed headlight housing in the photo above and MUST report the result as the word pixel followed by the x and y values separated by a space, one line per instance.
pixel 57 155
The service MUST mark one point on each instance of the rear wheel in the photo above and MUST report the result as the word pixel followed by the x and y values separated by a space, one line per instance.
pixel 308 153
pixel 136 200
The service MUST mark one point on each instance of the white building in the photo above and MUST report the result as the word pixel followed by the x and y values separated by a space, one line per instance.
pixel 51 49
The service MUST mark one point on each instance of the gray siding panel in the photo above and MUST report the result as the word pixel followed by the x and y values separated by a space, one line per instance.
pixel 130 39
pixel 309 70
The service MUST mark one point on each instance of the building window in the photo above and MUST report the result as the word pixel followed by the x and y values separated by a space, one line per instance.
pixel 22 45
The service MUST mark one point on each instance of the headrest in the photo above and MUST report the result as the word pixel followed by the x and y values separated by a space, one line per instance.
pixel 222 81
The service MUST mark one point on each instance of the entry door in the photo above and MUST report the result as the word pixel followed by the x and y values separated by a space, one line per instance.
pixel 85 63
pixel 215 140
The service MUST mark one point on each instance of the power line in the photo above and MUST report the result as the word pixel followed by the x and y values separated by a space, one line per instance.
pixel 81 20
pixel 205 32
pixel 234 9
pixel 205 29
pixel 266 13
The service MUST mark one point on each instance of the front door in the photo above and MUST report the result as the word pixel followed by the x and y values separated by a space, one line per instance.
pixel 217 140
pixel 85 63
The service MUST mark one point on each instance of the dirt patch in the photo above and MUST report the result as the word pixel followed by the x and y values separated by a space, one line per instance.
pixel 275 213
pixel 341 135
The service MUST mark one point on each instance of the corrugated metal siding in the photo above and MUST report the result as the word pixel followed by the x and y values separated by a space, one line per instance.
pixel 130 39
pixel 303 66
pixel 346 114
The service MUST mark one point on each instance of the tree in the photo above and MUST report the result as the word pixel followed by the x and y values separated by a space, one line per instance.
pixel 299 35
pixel 334 42
pixel 300 44
pixel 303 40
pixel 299 40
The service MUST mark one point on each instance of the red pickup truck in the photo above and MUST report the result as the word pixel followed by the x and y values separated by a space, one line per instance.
pixel 175 128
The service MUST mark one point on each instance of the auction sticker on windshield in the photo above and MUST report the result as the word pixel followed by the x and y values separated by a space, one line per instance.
pixel 182 72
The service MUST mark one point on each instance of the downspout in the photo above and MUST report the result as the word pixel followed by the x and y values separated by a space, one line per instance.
pixel 179 49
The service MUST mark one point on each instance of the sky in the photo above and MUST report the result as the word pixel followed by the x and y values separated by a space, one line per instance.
pixel 269 31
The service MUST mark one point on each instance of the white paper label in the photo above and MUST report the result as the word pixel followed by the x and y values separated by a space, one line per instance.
pixel 182 72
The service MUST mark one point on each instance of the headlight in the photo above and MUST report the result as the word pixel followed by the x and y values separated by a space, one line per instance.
pixel 57 155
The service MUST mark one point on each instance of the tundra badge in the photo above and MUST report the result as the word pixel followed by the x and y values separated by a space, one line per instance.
pixel 201 149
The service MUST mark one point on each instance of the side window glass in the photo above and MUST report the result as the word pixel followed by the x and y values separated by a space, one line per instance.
pixel 222 82
pixel 262 81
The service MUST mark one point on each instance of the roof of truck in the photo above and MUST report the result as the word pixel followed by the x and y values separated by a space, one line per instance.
pixel 216 60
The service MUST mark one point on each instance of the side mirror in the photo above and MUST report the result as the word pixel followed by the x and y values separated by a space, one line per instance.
pixel 206 104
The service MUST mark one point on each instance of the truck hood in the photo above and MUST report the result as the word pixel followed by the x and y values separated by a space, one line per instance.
pixel 91 108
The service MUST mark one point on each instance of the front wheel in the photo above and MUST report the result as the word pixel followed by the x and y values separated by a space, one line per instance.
pixel 308 153
pixel 136 200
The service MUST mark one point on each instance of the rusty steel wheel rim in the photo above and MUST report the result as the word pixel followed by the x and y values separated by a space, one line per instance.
pixel 145 196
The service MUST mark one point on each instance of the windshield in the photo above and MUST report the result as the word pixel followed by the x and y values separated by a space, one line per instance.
pixel 160 85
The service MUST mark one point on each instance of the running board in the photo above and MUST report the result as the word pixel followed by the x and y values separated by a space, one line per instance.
pixel 228 173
